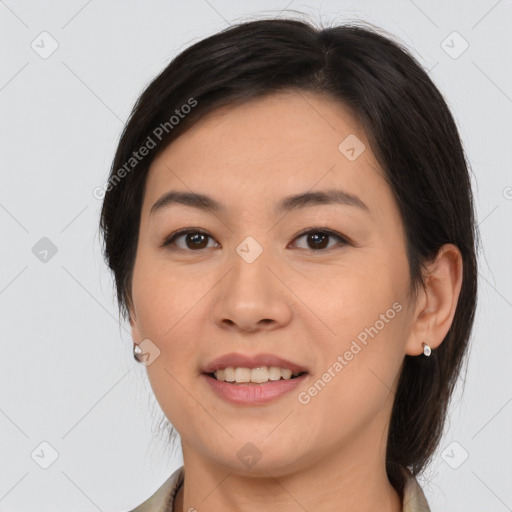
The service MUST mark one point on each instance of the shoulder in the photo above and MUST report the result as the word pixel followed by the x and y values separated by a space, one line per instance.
pixel 163 495
pixel 414 498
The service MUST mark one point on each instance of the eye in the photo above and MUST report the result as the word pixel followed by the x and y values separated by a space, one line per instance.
pixel 194 239
pixel 319 239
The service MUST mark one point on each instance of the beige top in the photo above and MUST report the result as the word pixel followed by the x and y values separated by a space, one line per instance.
pixel 414 499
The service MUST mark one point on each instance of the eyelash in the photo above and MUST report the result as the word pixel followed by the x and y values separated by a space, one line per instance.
pixel 170 241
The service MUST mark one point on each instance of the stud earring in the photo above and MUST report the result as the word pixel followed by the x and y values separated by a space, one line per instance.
pixel 137 351
pixel 426 349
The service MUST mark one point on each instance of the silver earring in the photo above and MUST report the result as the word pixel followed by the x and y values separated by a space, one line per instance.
pixel 137 351
pixel 426 349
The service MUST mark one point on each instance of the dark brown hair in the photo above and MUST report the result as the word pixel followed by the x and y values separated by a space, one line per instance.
pixel 411 132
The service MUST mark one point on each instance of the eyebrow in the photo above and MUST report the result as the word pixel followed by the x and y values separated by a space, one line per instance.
pixel 207 203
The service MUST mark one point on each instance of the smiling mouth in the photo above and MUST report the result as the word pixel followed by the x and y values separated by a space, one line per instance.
pixel 250 382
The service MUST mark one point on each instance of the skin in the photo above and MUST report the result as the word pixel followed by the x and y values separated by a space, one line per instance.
pixel 304 304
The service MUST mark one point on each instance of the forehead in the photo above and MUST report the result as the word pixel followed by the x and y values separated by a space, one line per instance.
pixel 284 124
pixel 268 147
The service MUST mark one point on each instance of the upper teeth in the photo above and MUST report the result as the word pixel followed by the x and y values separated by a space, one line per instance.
pixel 257 375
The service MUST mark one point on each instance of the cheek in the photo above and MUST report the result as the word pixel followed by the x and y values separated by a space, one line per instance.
pixel 357 379
pixel 345 298
pixel 361 317
pixel 163 296
pixel 166 306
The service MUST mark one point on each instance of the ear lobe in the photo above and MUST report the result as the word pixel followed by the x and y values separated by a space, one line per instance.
pixel 438 302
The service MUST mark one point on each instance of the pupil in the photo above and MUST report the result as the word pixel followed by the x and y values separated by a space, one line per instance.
pixel 195 238
pixel 315 237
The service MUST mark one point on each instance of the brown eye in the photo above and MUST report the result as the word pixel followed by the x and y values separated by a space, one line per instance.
pixel 318 239
pixel 195 240
pixel 192 240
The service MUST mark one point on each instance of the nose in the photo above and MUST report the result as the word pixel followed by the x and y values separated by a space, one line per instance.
pixel 251 297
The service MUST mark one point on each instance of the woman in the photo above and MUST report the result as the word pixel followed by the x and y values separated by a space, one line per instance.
pixel 289 220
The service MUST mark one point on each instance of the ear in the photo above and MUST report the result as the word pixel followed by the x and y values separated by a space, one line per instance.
pixel 436 305
pixel 134 324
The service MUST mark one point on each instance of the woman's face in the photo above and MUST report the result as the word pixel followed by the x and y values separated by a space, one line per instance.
pixel 260 277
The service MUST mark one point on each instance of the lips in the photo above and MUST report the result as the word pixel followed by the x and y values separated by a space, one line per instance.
pixel 237 360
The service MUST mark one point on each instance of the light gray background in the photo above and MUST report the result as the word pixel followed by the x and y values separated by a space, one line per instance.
pixel 67 373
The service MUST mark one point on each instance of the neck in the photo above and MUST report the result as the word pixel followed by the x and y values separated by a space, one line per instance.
pixel 383 497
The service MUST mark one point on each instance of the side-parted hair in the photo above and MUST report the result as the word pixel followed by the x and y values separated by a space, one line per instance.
pixel 411 132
